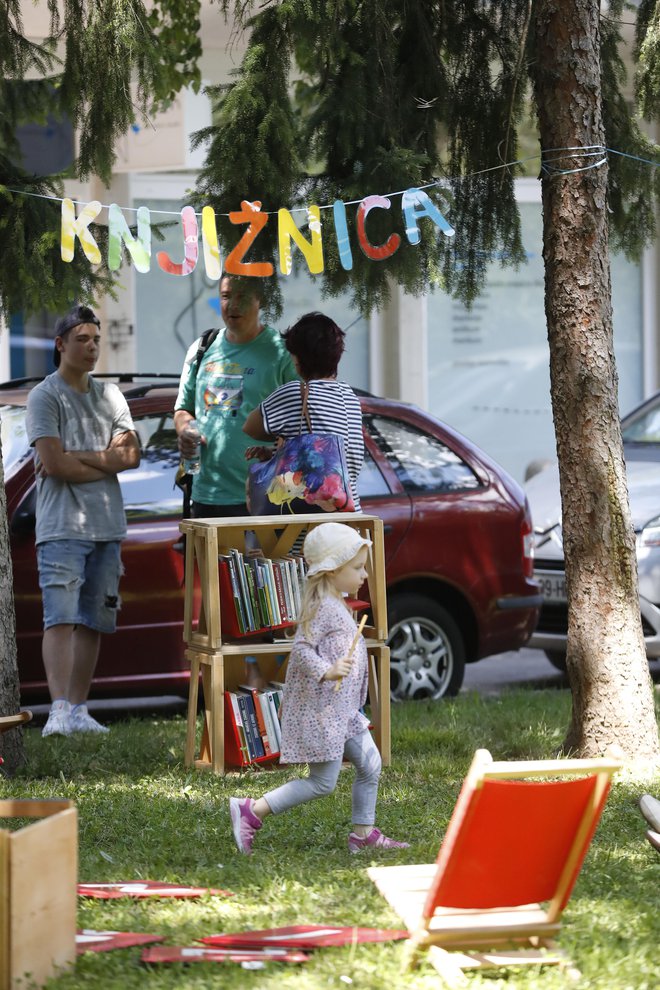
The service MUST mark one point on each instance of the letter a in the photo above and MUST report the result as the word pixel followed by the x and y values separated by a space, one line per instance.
pixel 413 198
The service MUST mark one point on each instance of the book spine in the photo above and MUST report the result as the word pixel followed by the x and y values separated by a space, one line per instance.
pixel 290 612
pixel 238 608
pixel 258 701
pixel 252 591
pixel 277 615
pixel 245 597
pixel 255 736
pixel 240 728
pixel 293 583
pixel 281 601
pixel 270 700
pixel 245 717
pixel 268 718
pixel 263 568
pixel 260 582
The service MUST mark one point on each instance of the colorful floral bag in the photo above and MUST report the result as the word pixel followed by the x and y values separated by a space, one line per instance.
pixel 307 473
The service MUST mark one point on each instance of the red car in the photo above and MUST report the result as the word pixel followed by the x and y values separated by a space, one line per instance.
pixel 458 542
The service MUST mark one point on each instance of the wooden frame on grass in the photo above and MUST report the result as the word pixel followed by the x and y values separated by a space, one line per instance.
pixel 38 876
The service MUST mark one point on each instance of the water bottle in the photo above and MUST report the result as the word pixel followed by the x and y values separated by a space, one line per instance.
pixel 192 465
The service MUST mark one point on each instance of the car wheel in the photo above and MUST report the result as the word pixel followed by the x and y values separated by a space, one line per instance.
pixel 427 653
pixel 557 658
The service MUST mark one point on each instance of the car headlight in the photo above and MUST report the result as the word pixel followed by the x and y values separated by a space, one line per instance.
pixel 649 536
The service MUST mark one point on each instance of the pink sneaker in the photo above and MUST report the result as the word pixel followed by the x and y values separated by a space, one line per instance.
pixel 244 823
pixel 375 839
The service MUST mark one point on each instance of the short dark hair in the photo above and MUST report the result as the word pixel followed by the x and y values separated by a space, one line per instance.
pixel 247 285
pixel 317 343
pixel 74 318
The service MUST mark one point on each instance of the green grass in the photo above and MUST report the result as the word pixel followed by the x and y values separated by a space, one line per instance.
pixel 144 816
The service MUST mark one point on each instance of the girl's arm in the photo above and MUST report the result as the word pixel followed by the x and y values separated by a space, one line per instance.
pixel 254 426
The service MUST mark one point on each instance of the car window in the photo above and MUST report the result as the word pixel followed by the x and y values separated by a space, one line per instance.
pixel 422 462
pixel 149 489
pixel 371 482
pixel 15 445
pixel 645 428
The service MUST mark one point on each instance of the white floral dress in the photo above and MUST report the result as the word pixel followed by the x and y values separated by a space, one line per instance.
pixel 316 719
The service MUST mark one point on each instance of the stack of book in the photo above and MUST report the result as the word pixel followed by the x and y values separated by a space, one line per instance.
pixel 258 593
pixel 252 725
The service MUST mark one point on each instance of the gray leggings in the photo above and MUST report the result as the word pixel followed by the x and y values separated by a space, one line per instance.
pixel 362 752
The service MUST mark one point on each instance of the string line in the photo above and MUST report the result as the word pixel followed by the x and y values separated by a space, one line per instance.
pixel 547 166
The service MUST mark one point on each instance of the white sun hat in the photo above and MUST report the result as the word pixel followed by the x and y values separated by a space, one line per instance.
pixel 331 545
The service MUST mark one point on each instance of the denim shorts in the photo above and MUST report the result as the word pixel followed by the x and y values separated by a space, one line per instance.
pixel 79 581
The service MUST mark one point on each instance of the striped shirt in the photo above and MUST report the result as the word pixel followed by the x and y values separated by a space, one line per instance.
pixel 333 408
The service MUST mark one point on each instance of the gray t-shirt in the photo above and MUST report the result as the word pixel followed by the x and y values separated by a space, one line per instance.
pixel 91 510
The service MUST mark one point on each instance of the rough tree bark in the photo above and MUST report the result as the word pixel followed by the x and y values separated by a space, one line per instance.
pixel 607 667
pixel 11 743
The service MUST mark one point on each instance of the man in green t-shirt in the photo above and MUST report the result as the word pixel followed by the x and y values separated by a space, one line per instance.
pixel 245 363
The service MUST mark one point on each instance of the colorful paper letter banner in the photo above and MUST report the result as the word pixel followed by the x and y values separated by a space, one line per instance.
pixel 415 206
pixel 145 888
pixel 304 936
pixel 88 940
pixel 193 954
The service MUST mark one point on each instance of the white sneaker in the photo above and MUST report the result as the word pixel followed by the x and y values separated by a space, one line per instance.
pixel 59 720
pixel 82 721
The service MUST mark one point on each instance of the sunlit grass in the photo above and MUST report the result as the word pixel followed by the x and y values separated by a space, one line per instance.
pixel 144 816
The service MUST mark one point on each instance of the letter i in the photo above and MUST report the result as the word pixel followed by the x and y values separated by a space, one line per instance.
pixel 341 233
pixel 210 244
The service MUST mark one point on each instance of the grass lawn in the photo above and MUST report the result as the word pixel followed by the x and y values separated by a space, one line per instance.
pixel 143 816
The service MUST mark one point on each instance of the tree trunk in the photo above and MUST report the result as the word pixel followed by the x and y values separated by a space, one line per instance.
pixel 11 743
pixel 607 667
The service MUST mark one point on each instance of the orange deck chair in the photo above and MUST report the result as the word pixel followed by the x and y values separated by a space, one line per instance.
pixel 506 867
pixel 8 722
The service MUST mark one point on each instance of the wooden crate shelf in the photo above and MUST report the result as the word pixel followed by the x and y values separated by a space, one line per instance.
pixel 38 877
pixel 219 660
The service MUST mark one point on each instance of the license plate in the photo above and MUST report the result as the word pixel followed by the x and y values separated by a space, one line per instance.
pixel 553 585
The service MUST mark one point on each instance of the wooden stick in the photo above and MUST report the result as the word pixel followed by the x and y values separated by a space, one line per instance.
pixel 353 645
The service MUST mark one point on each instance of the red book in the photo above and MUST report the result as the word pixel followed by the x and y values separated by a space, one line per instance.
pixel 304 936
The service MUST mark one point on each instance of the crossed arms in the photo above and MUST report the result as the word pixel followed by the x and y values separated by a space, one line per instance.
pixel 122 453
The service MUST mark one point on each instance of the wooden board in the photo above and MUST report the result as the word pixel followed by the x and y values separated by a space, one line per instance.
pixel 38 875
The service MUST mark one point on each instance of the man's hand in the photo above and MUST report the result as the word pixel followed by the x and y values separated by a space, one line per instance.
pixel 121 454
pixel 188 438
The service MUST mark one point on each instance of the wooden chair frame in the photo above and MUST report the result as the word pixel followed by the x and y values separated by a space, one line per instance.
pixel 472 908
pixel 8 722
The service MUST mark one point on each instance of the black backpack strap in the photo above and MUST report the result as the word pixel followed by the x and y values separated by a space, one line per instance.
pixel 205 342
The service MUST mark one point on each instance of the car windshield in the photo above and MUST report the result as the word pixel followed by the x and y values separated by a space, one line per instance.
pixel 644 428
pixel 15 445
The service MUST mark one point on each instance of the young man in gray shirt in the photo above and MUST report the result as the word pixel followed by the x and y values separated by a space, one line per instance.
pixel 84 436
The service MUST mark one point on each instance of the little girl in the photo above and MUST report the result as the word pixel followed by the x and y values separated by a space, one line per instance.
pixel 321 724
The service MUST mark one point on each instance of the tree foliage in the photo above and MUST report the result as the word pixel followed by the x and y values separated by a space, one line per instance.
pixel 103 64
pixel 383 97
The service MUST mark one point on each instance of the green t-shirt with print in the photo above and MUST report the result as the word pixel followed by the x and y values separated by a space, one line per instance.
pixel 231 381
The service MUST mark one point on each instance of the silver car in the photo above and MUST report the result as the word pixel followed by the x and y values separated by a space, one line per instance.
pixel 641 441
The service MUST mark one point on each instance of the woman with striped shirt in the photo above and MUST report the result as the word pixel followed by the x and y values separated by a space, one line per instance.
pixel 316 345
